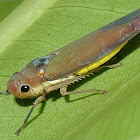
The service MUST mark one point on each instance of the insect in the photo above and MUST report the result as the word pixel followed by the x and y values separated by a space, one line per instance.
pixel 68 65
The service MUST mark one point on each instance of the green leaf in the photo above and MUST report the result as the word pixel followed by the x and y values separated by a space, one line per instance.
pixel 37 28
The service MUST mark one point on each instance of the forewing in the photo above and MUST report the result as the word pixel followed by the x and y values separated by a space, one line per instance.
pixel 93 46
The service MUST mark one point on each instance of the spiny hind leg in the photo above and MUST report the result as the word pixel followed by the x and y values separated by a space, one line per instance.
pixel 63 90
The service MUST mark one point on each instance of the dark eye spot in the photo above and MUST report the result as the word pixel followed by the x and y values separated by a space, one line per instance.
pixel 25 88
pixel 15 73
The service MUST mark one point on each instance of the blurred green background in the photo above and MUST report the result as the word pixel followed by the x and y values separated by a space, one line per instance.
pixel 29 29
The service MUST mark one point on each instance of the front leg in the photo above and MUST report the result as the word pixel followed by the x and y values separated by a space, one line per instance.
pixel 36 102
pixel 5 93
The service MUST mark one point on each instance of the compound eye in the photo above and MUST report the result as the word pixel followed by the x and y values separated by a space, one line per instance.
pixel 25 88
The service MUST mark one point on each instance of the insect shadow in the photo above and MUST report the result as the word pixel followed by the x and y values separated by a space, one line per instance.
pixel 131 46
